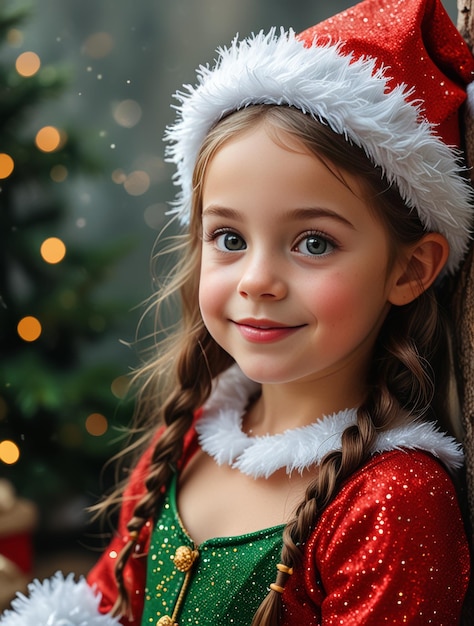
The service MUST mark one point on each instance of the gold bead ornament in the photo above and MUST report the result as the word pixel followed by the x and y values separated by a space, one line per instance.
pixel 184 558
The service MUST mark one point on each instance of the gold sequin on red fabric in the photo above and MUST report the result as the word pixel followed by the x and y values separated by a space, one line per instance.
pixel 390 549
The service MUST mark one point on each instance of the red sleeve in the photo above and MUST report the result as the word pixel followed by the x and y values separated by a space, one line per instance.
pixel 391 548
pixel 102 575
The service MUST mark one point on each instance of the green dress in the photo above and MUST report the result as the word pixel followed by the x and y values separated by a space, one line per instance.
pixel 218 583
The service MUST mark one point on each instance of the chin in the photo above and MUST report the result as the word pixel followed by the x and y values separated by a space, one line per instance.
pixel 266 374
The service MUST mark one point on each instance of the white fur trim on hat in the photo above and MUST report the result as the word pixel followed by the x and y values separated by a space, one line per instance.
pixel 352 97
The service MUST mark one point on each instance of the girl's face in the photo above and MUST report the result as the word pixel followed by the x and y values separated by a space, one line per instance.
pixel 297 271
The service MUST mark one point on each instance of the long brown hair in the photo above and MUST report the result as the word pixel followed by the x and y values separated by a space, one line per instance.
pixel 407 364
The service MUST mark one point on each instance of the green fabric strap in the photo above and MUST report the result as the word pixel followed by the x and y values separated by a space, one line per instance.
pixel 225 582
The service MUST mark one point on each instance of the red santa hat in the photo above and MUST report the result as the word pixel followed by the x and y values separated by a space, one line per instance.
pixel 391 76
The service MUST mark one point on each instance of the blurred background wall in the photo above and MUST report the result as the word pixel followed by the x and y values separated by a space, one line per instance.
pixel 85 95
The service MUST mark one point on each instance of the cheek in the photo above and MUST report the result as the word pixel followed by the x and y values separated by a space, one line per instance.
pixel 352 302
pixel 211 295
pixel 334 300
pixel 203 296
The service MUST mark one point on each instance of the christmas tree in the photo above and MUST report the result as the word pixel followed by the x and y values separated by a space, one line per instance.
pixel 57 410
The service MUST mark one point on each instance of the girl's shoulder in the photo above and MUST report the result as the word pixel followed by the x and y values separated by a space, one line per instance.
pixel 398 491
pixel 401 498
pixel 403 473
pixel 395 527
pixel 405 460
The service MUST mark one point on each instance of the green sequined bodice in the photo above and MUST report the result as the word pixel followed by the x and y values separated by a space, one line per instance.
pixel 220 582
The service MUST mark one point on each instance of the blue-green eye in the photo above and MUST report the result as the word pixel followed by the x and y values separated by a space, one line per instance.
pixel 314 245
pixel 230 242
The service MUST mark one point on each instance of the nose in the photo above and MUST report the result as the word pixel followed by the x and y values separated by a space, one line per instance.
pixel 262 277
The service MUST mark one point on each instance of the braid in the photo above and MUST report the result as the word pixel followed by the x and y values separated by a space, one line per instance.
pixel 160 472
pixel 401 384
pixel 194 387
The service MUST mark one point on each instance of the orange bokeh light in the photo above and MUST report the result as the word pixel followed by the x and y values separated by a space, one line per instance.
pixel 9 452
pixel 6 165
pixel 29 328
pixel 27 64
pixel 96 424
pixel 53 250
pixel 48 139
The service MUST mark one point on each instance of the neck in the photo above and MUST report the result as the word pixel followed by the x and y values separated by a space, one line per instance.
pixel 296 404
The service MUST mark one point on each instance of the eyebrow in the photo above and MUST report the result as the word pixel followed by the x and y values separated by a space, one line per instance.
pixel 218 211
pixel 312 212
pixel 300 214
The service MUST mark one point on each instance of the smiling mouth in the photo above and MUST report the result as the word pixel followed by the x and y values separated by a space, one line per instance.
pixel 265 331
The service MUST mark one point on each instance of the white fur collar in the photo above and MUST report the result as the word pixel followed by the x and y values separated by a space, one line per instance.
pixel 221 435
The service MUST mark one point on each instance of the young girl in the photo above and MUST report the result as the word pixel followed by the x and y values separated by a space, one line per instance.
pixel 299 474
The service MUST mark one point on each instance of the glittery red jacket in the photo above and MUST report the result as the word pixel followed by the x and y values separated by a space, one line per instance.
pixel 390 549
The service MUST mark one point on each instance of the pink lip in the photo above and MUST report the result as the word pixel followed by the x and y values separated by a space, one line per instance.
pixel 263 330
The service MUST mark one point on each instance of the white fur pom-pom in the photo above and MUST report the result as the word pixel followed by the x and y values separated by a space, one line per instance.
pixel 57 601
